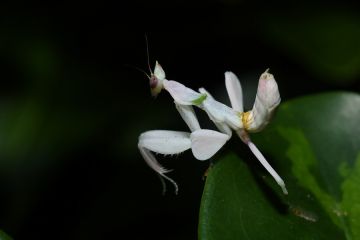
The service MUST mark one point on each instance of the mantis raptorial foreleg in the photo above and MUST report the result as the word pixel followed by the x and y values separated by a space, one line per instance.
pixel 188 115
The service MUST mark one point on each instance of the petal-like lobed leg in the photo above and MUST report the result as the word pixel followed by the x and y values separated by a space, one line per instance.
pixel 205 143
pixel 234 90
pixel 165 142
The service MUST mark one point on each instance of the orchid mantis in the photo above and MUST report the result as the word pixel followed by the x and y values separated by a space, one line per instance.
pixel 205 143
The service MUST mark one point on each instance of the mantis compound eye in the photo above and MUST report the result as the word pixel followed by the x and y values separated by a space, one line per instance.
pixel 155 85
pixel 156 80
pixel 153 82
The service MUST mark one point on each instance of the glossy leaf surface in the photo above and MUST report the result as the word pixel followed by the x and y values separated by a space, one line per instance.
pixel 314 144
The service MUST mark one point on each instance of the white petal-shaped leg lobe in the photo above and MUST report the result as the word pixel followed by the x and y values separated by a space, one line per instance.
pixel 268 167
pixel 205 143
pixel 181 94
pixel 188 115
pixel 234 91
pixel 165 142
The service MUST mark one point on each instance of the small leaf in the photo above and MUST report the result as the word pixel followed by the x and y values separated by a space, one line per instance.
pixel 314 144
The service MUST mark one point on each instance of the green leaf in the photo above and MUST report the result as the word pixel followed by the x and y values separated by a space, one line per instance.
pixel 314 145
pixel 4 236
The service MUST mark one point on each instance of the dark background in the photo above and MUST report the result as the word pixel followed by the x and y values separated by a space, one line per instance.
pixel 71 111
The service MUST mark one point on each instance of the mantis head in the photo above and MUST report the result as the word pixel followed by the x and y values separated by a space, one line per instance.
pixel 156 80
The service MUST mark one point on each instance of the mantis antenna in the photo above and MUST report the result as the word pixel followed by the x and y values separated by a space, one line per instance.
pixel 148 61
pixel 138 69
pixel 147 53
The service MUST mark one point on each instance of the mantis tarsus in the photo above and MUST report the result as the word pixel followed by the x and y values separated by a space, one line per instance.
pixel 205 143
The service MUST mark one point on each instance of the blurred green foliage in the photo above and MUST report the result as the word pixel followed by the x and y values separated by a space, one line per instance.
pixel 4 236
pixel 316 151
pixel 324 42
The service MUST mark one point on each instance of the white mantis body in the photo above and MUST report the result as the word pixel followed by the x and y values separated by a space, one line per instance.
pixel 205 143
